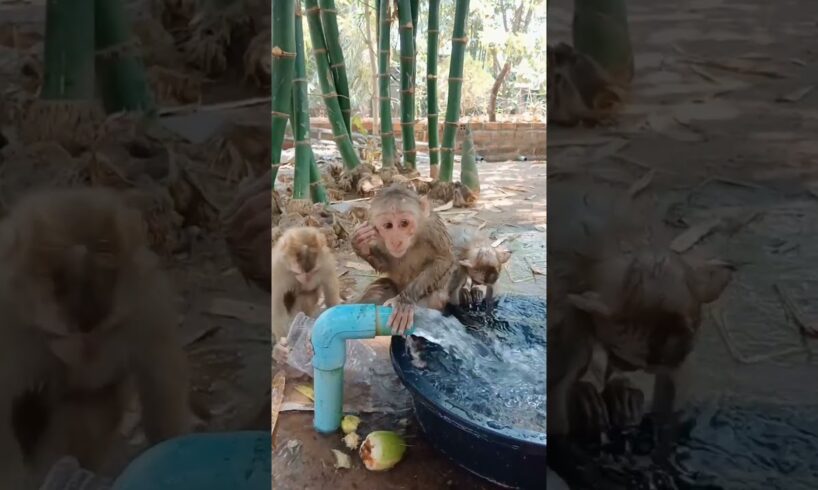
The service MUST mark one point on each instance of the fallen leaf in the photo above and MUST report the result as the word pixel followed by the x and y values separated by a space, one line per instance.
pixel 306 391
pixel 692 235
pixel 530 197
pixel 448 205
pixel 798 62
pixel 342 460
pixel 240 310
pixel 796 95
pixel 200 335
pixel 360 266
pixel 641 184
pixel 277 397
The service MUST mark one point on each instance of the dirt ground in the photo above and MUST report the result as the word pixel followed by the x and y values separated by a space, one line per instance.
pixel 723 114
pixel 512 206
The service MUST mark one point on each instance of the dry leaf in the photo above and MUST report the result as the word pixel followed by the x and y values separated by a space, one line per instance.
pixel 342 460
pixel 306 391
pixel 277 397
pixel 360 266
pixel 796 95
pixel 641 184
pixel 692 235
pixel 448 205
pixel 241 310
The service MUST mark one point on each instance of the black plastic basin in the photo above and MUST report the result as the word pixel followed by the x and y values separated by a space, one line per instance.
pixel 505 456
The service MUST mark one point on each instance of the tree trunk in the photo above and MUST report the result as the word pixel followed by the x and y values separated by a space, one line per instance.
pixel 281 74
pixel 600 30
pixel 455 85
pixel 329 21
pixel 495 89
pixel 384 97
pixel 407 93
pixel 334 112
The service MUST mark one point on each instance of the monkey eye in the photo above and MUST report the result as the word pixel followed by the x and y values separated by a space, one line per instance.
pixel 404 223
pixel 388 226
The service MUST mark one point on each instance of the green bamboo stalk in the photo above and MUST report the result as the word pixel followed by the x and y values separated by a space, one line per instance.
pixel 300 120
pixel 459 41
pixel 468 165
pixel 329 20
pixel 69 51
pixel 415 14
pixel 317 191
pixel 123 82
pixel 600 30
pixel 384 97
pixel 336 116
pixel 281 74
pixel 407 93
pixel 431 83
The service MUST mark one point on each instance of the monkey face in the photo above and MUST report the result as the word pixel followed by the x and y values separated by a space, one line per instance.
pixel 397 229
pixel 484 264
pixel 81 284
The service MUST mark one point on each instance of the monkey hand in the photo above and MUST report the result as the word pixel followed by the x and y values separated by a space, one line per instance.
pixel 625 402
pixel 281 351
pixel 588 411
pixel 403 315
pixel 363 235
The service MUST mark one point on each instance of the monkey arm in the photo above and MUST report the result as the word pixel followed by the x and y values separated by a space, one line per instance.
pixel 377 258
pixel 432 278
pixel 163 384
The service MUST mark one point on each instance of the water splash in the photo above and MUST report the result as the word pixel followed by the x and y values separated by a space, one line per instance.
pixel 490 366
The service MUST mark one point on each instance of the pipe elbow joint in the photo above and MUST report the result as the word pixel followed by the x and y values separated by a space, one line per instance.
pixel 343 322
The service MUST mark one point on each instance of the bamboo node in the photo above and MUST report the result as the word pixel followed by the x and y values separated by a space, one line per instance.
pixel 340 137
pixel 338 65
pixel 118 51
pixel 299 80
pixel 407 58
pixel 313 10
pixel 461 40
pixel 434 150
pixel 409 90
pixel 281 115
pixel 431 77
pixel 280 53
pixel 319 51
pixel 452 123
pixel 330 11
pixel 431 115
pixel 302 143
pixel 408 26
pixel 330 95
pixel 390 133
pixel 432 31
pixel 402 123
pixel 413 150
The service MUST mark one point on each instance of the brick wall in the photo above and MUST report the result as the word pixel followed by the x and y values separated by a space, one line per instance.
pixel 495 141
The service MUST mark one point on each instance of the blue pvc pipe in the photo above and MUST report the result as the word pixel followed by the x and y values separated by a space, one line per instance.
pixel 329 335
pixel 206 461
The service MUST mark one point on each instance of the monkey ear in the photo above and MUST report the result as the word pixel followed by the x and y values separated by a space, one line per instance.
pixel 589 302
pixel 425 206
pixel 503 254
pixel 709 279
pixel 467 263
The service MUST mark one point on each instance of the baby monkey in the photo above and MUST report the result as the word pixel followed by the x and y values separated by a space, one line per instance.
pixel 408 243
pixel 479 262
pixel 302 266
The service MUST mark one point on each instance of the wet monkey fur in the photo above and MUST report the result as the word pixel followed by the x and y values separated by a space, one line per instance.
pixel 406 242
pixel 88 323
pixel 478 262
